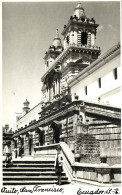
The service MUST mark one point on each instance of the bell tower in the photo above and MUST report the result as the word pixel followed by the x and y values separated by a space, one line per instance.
pixel 80 50
pixel 54 50
pixel 79 43
pixel 80 30
pixel 51 83
pixel 26 107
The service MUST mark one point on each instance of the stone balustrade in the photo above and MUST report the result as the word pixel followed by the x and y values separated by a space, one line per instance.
pixel 100 173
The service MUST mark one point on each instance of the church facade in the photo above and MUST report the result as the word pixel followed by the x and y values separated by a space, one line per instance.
pixel 79 106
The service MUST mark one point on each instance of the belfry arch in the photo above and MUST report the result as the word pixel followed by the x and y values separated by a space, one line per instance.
pixel 84 38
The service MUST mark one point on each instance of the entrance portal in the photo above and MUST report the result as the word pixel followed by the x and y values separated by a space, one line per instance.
pixel 56 126
pixel 41 138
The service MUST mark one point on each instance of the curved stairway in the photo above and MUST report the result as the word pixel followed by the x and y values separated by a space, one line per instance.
pixel 31 172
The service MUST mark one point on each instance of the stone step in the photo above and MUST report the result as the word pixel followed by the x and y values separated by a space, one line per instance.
pixel 30 165
pixel 25 178
pixel 32 162
pixel 34 182
pixel 30 173
pixel 20 169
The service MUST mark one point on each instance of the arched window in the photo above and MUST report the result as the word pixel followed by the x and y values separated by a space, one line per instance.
pixel 84 38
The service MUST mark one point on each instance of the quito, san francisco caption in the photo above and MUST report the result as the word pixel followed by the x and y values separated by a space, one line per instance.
pixel 38 189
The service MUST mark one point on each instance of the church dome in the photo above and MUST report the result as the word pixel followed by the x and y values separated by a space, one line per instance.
pixel 26 102
pixel 57 40
pixel 79 11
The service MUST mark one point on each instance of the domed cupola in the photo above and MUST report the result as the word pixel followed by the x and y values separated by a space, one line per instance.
pixel 54 50
pixel 57 41
pixel 79 12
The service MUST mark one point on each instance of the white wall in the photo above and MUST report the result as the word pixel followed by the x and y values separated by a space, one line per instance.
pixel 110 88
pixel 31 115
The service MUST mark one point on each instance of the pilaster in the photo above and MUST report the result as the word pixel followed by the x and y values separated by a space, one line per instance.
pixel 92 39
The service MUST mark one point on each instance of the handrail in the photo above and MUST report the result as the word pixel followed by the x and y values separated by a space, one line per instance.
pixel 67 152
pixel 68 156
pixel 68 160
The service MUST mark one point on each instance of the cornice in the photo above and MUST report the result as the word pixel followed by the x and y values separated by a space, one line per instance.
pixel 109 112
pixel 72 47
pixel 53 116
pixel 79 23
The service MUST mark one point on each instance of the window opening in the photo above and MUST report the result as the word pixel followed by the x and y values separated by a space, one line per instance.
pixel 99 82
pixel 86 90
pixel 84 38
pixel 115 74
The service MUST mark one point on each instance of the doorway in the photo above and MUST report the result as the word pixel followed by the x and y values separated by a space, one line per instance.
pixel 41 138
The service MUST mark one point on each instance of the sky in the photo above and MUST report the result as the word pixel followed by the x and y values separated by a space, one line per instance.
pixel 28 29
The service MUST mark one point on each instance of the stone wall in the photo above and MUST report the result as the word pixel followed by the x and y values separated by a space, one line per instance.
pixel 109 136
pixel 88 148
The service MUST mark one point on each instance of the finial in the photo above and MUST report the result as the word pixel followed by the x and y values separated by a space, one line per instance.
pixel 79 11
pixel 79 5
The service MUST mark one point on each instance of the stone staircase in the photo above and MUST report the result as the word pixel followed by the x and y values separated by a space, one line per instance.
pixel 31 172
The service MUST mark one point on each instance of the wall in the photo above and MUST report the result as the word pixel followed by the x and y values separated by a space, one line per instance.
pixel 110 88
pixel 31 115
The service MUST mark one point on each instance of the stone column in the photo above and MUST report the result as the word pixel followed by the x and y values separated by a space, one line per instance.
pixel 59 85
pixel 89 38
pixel 56 87
pixel 49 99
pixel 92 39
pixel 51 93
pixel 14 150
pixel 79 38
pixel 32 136
pixel 17 146
pixel 46 94
pixel 75 37
pixel 71 37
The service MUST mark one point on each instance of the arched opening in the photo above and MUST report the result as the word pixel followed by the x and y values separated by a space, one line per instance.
pixel 56 126
pixel 84 38
pixel 21 146
pixel 41 138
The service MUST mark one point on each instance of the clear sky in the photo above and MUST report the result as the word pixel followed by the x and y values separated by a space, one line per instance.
pixel 28 30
